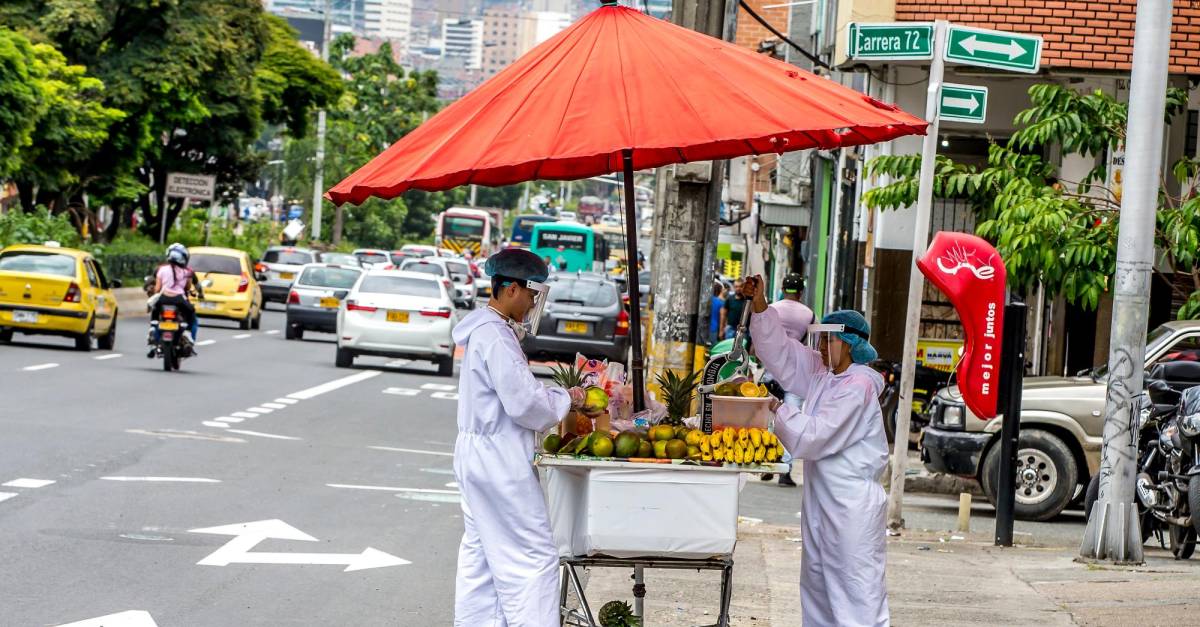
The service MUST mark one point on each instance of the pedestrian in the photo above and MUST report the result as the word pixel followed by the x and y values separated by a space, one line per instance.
pixel 735 303
pixel 839 436
pixel 507 562
pixel 795 317
pixel 716 314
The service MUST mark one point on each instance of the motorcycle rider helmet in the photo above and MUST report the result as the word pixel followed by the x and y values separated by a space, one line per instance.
pixel 177 254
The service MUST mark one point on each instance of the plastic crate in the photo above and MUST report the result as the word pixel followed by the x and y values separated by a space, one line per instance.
pixel 737 411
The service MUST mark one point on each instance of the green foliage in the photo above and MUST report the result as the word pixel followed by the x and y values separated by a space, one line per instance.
pixel 37 227
pixel 1061 233
pixel 19 98
pixel 291 80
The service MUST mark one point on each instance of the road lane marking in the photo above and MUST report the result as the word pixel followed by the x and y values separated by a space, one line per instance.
pixel 439 387
pixel 287 401
pixel 206 343
pixel 164 479
pixel 401 391
pixel 410 450
pixel 432 498
pixel 246 536
pixel 228 419
pixel 273 332
pixel 438 471
pixel 129 618
pixel 384 488
pixel 274 405
pixel 213 423
pixel 107 357
pixel 260 410
pixel 4 496
pixel 186 435
pixel 244 414
pixel 40 367
pixel 452 484
pixel 241 336
pixel 448 396
pixel 263 435
pixel 28 483
pixel 304 395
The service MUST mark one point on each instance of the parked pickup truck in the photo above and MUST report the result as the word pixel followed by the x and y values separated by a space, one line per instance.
pixel 1062 424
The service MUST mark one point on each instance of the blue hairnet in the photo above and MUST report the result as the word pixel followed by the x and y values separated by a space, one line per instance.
pixel 861 351
pixel 517 263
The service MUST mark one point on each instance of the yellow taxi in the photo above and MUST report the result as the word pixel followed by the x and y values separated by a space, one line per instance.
pixel 51 290
pixel 231 289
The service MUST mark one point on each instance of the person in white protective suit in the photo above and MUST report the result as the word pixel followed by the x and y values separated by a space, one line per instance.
pixel 507 562
pixel 838 433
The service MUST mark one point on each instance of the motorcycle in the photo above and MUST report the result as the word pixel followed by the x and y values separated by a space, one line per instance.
pixel 167 337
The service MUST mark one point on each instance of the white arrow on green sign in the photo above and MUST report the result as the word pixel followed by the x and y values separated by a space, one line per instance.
pixel 993 48
pixel 891 41
pixel 963 103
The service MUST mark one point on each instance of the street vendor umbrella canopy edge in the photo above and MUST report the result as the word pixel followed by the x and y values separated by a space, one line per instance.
pixel 622 91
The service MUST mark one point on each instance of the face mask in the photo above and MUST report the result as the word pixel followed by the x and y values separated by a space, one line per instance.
pixel 518 329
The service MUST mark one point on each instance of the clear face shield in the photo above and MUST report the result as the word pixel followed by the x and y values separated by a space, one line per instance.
pixel 823 339
pixel 533 318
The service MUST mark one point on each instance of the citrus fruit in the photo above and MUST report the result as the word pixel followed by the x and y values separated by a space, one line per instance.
pixel 596 399
pixel 602 446
pixel 748 390
pixel 676 449
pixel 645 449
pixel 626 445
pixel 693 452
pixel 552 443
pixel 661 433
pixel 660 449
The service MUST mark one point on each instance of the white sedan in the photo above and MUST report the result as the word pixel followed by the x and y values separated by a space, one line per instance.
pixel 393 313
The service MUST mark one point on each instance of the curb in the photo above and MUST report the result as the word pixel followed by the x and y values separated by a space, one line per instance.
pixel 131 302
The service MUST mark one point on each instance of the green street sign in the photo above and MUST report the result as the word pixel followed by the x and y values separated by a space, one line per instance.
pixel 891 41
pixel 993 48
pixel 963 103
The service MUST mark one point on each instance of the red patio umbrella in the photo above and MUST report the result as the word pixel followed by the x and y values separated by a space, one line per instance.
pixel 620 90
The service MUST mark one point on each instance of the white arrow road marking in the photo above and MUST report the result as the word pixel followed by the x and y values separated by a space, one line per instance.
pixel 448 396
pixel 4 496
pixel 28 483
pixel 304 395
pixel 131 618
pixel 970 104
pixel 401 391
pixel 206 343
pixel 40 367
pixel 410 450
pixel 439 386
pixel 164 479
pixel 107 357
pixel 1012 48
pixel 248 535
pixel 263 435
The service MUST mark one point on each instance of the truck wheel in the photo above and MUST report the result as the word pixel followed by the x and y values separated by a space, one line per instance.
pixel 1046 475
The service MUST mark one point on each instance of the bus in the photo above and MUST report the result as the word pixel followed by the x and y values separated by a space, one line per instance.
pixel 522 229
pixel 463 229
pixel 614 236
pixel 567 246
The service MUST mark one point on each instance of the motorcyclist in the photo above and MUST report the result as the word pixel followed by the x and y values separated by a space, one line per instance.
pixel 172 281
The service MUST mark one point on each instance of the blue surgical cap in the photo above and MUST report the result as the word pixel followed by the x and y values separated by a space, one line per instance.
pixel 518 264
pixel 856 335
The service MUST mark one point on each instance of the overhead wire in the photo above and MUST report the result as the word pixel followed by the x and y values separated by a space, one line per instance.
pixel 767 25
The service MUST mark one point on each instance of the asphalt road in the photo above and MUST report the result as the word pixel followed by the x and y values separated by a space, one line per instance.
pixel 109 466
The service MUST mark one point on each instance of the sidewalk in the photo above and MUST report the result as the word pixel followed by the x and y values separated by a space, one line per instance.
pixel 934 578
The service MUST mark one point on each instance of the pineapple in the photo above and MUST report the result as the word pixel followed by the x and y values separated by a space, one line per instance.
pixel 677 394
pixel 618 614
pixel 566 375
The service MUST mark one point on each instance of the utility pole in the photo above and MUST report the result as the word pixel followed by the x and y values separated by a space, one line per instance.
pixel 1114 528
pixel 916 282
pixel 319 178
pixel 685 226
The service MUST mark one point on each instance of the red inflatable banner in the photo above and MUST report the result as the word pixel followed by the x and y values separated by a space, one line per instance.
pixel 970 272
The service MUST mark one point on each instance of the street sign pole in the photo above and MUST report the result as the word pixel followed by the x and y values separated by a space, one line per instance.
pixel 319 177
pixel 1114 527
pixel 916 282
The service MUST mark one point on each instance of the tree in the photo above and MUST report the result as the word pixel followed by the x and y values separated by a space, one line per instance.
pixel 1061 233
pixel 20 100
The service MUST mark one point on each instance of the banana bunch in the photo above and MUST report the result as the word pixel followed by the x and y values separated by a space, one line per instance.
pixel 741 446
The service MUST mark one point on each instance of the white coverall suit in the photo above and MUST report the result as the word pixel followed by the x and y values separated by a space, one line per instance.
pixel 507 562
pixel 839 435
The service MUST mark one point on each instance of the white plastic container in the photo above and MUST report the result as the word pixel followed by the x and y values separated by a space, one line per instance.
pixel 643 512
pixel 737 411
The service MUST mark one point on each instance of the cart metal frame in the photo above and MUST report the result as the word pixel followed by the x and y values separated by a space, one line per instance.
pixel 583 616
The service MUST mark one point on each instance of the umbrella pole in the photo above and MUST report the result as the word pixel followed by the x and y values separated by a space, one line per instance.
pixel 638 368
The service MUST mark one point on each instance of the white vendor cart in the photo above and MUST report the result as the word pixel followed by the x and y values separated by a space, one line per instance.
pixel 613 514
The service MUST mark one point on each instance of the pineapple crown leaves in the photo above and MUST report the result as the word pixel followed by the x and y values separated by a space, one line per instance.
pixel 566 375
pixel 677 392
pixel 618 614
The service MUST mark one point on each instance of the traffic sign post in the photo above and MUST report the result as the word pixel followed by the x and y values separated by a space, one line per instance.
pixel 994 49
pixel 963 103
pixel 891 41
